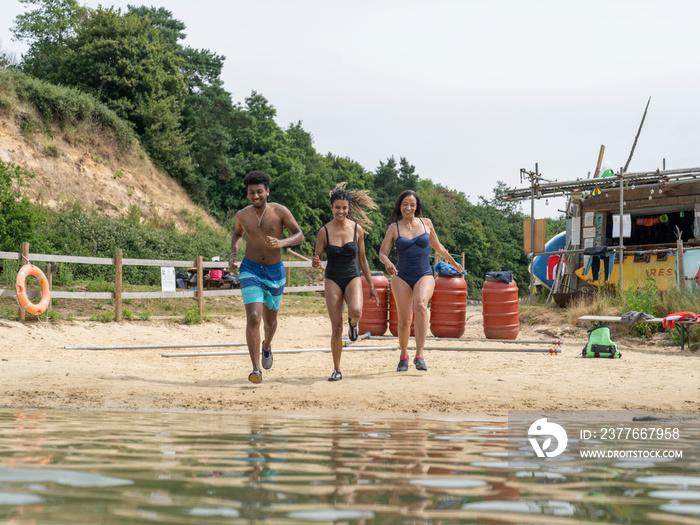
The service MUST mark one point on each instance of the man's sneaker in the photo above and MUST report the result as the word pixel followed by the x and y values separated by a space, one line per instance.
pixel 352 331
pixel 266 358
pixel 335 376
pixel 255 377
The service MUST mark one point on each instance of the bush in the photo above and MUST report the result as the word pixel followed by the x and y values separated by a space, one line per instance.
pixel 104 317
pixel 53 315
pixel 192 316
pixel 675 300
pixel 19 218
pixel 89 235
pixel 642 300
pixel 67 107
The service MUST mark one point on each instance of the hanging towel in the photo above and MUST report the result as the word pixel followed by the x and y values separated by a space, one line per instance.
pixel 635 317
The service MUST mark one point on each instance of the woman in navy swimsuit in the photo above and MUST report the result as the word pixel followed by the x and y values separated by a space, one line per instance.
pixel 343 240
pixel 412 281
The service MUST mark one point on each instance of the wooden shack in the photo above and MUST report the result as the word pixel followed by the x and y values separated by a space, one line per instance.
pixel 650 214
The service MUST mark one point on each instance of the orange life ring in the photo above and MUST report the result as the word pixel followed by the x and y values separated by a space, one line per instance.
pixel 21 285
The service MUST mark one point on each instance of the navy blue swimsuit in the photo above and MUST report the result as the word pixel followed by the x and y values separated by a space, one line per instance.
pixel 414 256
pixel 342 264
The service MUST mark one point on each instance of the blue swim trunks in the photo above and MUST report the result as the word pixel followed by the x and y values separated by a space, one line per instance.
pixel 262 283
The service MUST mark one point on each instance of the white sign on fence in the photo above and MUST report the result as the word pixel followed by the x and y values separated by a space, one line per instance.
pixel 167 278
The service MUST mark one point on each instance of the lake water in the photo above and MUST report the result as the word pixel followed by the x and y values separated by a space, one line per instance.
pixel 159 467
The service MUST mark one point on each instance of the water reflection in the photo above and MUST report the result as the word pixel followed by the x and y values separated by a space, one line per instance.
pixel 126 467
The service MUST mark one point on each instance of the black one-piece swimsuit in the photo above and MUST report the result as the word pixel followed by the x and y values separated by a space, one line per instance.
pixel 342 264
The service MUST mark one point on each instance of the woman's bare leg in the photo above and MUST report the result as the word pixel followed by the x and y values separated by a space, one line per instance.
pixel 422 292
pixel 403 297
pixel 334 304
pixel 354 300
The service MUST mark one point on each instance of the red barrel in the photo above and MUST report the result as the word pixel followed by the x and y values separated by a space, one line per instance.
pixel 448 307
pixel 394 317
pixel 500 306
pixel 374 317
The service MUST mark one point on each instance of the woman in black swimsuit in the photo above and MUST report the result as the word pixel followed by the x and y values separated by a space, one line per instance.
pixel 343 240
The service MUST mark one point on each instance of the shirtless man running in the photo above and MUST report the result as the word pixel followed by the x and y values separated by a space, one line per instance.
pixel 262 273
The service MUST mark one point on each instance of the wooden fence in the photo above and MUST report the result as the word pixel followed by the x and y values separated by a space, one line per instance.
pixel 119 262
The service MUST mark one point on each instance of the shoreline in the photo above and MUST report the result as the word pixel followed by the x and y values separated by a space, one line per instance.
pixel 611 416
pixel 39 372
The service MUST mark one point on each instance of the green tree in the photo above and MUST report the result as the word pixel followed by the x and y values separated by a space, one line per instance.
pixel 476 242
pixel 255 143
pixel 301 183
pixel 503 222
pixel 553 227
pixel 210 117
pixel 127 63
pixel 505 207
pixel 200 67
pixel 6 60
pixel 47 29
pixel 343 169
pixel 208 112
pixel 442 207
pixel 173 30
pixel 258 143
pixel 390 180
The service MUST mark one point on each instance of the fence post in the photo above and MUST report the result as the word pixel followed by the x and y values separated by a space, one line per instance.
pixel 24 259
pixel 49 276
pixel 118 286
pixel 200 285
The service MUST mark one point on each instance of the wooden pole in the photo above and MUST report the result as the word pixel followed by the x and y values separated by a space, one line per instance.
pixel 288 270
pixel 636 138
pixel 24 259
pixel 621 181
pixel 118 285
pixel 298 255
pixel 531 255
pixel 680 278
pixel 600 160
pixel 200 285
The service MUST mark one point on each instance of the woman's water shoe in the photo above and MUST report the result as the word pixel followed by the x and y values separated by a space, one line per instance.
pixel 403 365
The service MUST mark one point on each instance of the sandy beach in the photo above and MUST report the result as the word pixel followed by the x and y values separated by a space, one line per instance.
pixel 39 371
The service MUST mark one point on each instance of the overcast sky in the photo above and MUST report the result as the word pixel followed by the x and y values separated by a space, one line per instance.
pixel 468 91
